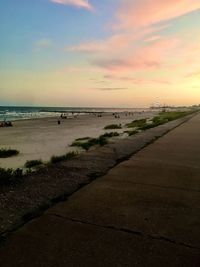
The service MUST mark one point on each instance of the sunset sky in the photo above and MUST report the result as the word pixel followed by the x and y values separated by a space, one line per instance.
pixel 99 53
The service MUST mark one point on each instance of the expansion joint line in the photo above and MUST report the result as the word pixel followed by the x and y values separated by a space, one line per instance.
pixel 125 230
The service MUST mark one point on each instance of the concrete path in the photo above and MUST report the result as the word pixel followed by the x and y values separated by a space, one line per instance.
pixel 144 212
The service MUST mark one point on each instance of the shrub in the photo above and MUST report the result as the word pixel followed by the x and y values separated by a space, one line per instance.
pixel 70 155
pixel 6 153
pixel 113 126
pixel 33 163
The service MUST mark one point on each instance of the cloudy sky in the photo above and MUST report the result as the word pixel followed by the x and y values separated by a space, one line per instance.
pixel 108 53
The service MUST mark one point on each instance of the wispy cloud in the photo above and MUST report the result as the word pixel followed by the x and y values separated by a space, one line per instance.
pixel 153 38
pixel 138 42
pixel 153 56
pixel 142 13
pixel 76 3
pixel 111 89
pixel 133 80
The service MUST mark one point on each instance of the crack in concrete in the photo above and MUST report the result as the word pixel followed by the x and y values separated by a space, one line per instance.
pixel 130 231
pixel 165 186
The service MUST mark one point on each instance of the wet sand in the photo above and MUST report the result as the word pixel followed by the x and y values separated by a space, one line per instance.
pixel 43 138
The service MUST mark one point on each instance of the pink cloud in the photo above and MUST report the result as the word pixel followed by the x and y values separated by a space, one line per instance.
pixel 137 42
pixel 77 3
pixel 149 57
pixel 118 42
pixel 142 13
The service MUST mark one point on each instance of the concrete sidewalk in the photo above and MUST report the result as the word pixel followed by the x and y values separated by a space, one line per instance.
pixel 144 212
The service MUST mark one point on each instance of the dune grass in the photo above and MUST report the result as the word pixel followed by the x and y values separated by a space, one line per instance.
pixel 130 133
pixel 112 126
pixel 163 118
pixel 136 123
pixel 10 176
pixel 33 163
pixel 67 156
pixel 91 142
pixel 83 138
pixel 6 153
pixel 110 135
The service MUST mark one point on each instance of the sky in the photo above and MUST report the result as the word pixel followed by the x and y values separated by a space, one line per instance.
pixel 99 53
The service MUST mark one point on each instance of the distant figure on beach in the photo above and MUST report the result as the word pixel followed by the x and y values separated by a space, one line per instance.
pixel 63 116
pixel 58 121
pixel 6 124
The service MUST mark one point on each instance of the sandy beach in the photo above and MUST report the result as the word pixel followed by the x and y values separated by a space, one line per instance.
pixel 43 138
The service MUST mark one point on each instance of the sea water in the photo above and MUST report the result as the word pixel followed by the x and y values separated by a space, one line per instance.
pixel 11 113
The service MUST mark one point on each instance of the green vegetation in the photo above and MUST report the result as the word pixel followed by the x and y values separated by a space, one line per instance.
pixel 91 142
pixel 130 133
pixel 111 134
pixel 10 176
pixel 33 163
pixel 113 126
pixel 67 156
pixel 6 153
pixel 163 118
pixel 147 126
pixel 87 142
pixel 82 139
pixel 136 123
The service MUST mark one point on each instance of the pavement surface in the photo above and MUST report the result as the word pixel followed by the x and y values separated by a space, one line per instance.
pixel 144 212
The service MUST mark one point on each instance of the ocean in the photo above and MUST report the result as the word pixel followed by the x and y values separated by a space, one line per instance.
pixel 12 113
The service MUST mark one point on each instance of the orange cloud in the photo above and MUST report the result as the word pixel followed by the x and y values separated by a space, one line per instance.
pixel 141 13
pixel 77 3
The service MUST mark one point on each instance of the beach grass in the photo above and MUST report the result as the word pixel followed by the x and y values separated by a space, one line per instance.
pixel 67 156
pixel 130 133
pixel 91 142
pixel 10 176
pixel 110 135
pixel 163 118
pixel 6 153
pixel 83 138
pixel 112 126
pixel 33 163
pixel 136 123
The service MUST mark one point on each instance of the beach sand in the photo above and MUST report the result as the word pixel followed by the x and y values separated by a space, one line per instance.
pixel 43 138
